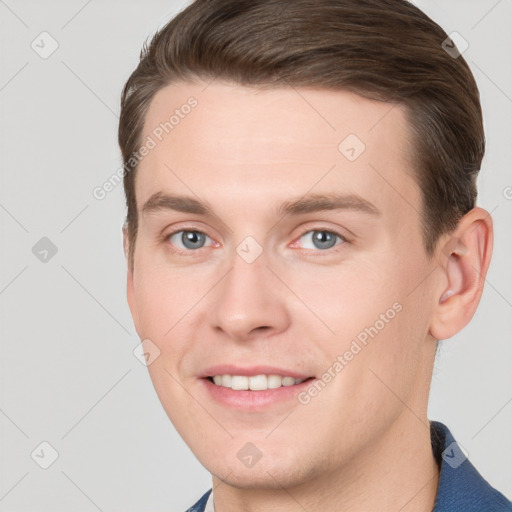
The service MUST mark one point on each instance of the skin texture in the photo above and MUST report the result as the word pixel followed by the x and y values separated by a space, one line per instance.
pixel 363 442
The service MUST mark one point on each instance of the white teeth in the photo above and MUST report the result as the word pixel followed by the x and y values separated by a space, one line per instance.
pixel 255 382
pixel 239 382
pixel 274 381
pixel 288 381
pixel 258 382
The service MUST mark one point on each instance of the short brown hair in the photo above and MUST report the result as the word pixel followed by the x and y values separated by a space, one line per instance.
pixel 386 50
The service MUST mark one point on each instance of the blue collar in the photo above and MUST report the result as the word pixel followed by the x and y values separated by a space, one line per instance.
pixel 461 487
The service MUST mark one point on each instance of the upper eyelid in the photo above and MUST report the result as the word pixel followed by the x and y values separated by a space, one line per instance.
pixel 333 231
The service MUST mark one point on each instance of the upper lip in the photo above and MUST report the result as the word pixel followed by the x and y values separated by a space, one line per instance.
pixel 229 369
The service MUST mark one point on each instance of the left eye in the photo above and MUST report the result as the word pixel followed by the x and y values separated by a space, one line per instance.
pixel 321 239
pixel 188 239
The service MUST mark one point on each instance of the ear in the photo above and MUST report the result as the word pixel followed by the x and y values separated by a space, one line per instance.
pixel 464 259
pixel 130 291
pixel 126 246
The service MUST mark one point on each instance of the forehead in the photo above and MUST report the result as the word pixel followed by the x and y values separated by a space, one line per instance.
pixel 224 139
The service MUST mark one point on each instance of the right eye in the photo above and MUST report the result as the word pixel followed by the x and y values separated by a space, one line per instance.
pixel 186 240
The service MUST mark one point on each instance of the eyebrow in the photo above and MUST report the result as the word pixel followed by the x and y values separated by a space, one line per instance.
pixel 310 203
pixel 324 202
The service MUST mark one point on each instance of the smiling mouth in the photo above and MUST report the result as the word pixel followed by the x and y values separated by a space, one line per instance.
pixel 254 382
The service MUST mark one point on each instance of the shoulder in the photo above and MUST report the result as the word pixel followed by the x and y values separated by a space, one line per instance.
pixel 201 504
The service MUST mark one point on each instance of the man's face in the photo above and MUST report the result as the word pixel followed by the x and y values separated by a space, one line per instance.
pixel 266 282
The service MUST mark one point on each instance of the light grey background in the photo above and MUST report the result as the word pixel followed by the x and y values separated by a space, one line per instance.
pixel 67 372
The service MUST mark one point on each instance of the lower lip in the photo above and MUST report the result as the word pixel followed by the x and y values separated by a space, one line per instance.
pixel 254 400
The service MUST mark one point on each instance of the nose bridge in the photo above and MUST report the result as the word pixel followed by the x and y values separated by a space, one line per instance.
pixel 249 296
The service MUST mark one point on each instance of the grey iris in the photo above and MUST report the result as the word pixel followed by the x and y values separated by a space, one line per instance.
pixel 192 239
pixel 324 239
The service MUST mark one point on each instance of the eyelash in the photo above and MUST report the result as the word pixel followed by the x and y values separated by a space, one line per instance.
pixel 335 248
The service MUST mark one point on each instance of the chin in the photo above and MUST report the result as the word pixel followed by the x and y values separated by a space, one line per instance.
pixel 264 475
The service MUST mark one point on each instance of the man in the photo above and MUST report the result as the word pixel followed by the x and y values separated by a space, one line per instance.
pixel 301 231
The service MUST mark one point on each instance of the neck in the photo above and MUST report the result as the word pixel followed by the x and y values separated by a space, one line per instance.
pixel 398 472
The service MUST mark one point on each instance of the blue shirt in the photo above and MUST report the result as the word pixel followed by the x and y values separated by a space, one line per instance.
pixel 461 488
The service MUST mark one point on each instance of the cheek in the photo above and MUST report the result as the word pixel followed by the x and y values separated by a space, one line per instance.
pixel 350 298
pixel 171 310
pixel 163 294
pixel 154 302
pixel 379 325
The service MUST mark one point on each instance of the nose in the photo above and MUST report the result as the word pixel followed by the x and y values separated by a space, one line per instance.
pixel 249 300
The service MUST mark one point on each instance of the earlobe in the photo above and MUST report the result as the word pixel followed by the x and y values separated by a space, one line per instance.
pixel 464 261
